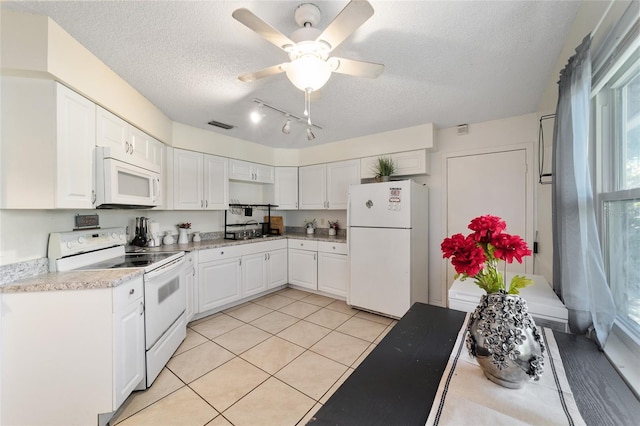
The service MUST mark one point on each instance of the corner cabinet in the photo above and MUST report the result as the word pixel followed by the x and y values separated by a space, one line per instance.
pixel 264 266
pixel 326 186
pixel 48 140
pixel 200 181
pixel 285 188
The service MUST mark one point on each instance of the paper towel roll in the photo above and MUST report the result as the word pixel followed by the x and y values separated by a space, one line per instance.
pixel 154 228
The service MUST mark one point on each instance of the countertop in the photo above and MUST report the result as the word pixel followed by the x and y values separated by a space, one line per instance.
pixel 83 280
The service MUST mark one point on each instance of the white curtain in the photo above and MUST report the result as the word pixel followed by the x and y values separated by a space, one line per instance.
pixel 578 268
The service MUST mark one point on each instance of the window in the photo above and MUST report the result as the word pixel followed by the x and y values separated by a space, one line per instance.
pixel 618 163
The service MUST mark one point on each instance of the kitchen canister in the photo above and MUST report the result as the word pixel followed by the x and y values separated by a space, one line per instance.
pixel 168 238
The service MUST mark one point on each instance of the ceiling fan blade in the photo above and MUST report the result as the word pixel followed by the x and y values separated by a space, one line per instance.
pixel 354 14
pixel 266 72
pixel 247 18
pixel 357 68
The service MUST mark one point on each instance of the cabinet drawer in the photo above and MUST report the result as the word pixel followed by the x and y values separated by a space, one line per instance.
pixel 327 247
pixel 304 244
pixel 127 292
pixel 219 253
pixel 263 246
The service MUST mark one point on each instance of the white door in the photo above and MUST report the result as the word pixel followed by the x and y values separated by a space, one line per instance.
pixel 339 176
pixel 263 173
pixel 492 183
pixel 128 349
pixel 333 273
pixel 286 188
pixel 380 269
pixel 219 283
pixel 303 269
pixel 76 136
pixel 112 131
pixel 254 272
pixel 277 264
pixel 216 182
pixel 187 180
pixel 312 190
pixel 240 170
pixel 385 204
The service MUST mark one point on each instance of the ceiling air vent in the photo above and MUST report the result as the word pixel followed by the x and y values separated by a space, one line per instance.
pixel 221 125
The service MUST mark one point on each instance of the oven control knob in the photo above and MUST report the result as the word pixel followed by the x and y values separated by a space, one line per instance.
pixel 121 236
pixel 82 240
pixel 69 244
pixel 114 235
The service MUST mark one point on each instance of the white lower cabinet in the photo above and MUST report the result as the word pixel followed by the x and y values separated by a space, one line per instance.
pixel 91 354
pixel 333 268
pixel 303 263
pixel 264 266
pixel 219 277
pixel 190 278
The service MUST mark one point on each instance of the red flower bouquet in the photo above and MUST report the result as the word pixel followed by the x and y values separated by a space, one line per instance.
pixel 477 255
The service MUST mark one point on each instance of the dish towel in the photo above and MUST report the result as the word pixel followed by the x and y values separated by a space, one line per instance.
pixel 465 396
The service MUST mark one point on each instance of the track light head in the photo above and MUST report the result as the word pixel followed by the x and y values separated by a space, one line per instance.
pixel 310 135
pixel 286 129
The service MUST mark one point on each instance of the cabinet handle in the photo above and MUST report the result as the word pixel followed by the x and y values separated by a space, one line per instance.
pixel 141 308
pixel 206 203
pixel 265 256
pixel 126 147
pixel 133 290
pixel 221 253
pixel 240 261
pixel 194 272
pixel 201 203
pixel 296 204
pixel 269 256
pixel 93 196
pixel 314 256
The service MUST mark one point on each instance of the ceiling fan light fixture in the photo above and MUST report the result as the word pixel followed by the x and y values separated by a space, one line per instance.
pixel 308 72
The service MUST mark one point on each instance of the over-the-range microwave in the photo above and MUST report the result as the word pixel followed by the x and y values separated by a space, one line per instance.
pixel 120 183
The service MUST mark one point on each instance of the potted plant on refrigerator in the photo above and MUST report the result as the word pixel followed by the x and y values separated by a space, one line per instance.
pixel 384 168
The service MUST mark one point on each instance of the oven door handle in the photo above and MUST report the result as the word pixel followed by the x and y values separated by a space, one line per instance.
pixel 164 268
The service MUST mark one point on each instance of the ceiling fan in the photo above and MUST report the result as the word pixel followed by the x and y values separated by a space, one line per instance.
pixel 308 47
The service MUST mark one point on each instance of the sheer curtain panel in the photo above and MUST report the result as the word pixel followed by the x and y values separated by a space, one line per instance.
pixel 578 269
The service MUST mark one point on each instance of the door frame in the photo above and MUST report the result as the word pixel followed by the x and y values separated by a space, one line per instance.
pixel 530 198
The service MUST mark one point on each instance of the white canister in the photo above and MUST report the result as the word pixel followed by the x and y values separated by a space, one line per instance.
pixel 168 238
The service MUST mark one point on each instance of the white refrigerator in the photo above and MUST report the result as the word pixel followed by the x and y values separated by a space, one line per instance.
pixel 388 246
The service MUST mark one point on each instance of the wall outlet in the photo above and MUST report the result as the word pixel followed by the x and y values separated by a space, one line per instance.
pixel 322 221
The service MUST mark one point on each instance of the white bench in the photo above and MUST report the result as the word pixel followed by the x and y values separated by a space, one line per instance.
pixel 544 306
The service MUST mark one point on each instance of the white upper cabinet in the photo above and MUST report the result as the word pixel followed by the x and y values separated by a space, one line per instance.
pixel 406 163
pixel 48 140
pixel 285 188
pixel 200 181
pixel 250 172
pixel 114 132
pixel 326 186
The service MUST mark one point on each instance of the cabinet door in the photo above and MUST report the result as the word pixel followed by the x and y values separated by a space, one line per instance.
pixel 277 268
pixel 263 173
pixel 141 147
pixel 187 180
pixel 76 138
pixel 216 182
pixel 218 283
pixel 339 176
pixel 312 190
pixel 333 273
pixel 240 170
pixel 286 188
pixel 112 131
pixel 254 274
pixel 303 269
pixel 129 350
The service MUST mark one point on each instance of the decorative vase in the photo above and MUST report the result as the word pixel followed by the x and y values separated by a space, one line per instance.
pixel 504 339
pixel 167 239
pixel 332 231
pixel 310 230
pixel 183 238
pixel 196 237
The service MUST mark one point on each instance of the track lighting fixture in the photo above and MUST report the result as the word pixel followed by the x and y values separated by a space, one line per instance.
pixel 286 129
pixel 257 115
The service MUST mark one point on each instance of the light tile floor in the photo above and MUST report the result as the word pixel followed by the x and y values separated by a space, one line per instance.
pixel 271 361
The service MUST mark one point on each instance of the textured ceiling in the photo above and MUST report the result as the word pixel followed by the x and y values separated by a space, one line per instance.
pixel 446 62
